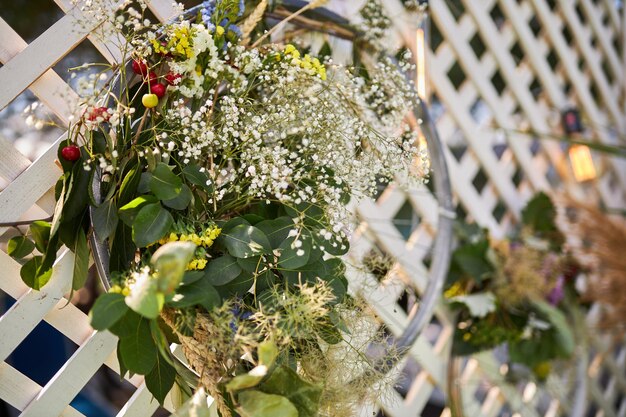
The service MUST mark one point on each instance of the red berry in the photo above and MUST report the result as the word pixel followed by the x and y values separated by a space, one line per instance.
pixel 71 153
pixel 158 89
pixel 140 67
pixel 172 78
pixel 152 78
pixel 95 112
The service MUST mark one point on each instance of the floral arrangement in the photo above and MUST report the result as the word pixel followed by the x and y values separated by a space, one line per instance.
pixel 519 292
pixel 217 175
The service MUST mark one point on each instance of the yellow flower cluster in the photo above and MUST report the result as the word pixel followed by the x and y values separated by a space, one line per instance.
pixel 179 42
pixel 206 239
pixel 307 62
pixel 196 264
pixel 116 289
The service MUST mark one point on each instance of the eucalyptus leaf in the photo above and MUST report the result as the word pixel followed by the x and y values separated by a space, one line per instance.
pixel 145 298
pixel 479 305
pixel 164 183
pixel 244 241
pixel 151 224
pixel 292 256
pixel 258 404
pixel 129 211
pixel 199 292
pixel 181 201
pixel 170 262
pixel 276 230
pixel 107 310
pixel 222 270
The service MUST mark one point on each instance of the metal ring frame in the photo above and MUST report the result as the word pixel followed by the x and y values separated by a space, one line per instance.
pixel 442 247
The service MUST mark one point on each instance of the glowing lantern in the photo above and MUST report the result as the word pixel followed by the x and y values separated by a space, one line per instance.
pixel 582 163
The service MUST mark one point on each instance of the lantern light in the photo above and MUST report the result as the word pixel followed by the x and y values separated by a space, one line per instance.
pixel 582 163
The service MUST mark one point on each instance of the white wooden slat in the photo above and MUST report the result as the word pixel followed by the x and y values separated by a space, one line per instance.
pixel 591 12
pixel 27 66
pixel 109 48
pixel 49 88
pixel 12 162
pixel 30 309
pixel 583 42
pixel 33 183
pixel 71 378
pixel 577 80
pixel 519 144
pixel 141 404
pixel 18 390
pixel 164 10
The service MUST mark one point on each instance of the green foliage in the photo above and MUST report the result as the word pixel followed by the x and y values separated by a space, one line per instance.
pixel 285 382
pixel 136 346
pixel 161 379
pixel 20 247
pixel 105 219
pixel 258 404
pixel 81 259
pixel 540 213
pixel 151 224
pixel 107 310
pixel 222 270
pixel 244 241
pixel 164 183
pixel 40 231
pixel 31 274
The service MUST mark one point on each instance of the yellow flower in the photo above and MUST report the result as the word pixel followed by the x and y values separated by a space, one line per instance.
pixel 197 264
pixel 219 31
pixel 289 48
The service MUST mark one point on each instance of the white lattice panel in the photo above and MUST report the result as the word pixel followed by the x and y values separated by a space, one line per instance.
pixel 499 66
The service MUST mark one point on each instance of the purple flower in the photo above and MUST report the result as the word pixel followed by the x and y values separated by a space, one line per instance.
pixel 556 294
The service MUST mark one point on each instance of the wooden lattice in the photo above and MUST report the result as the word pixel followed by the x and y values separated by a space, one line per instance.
pixel 497 67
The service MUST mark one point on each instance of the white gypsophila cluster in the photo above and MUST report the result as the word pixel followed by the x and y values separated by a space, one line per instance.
pixel 375 25
pixel 299 139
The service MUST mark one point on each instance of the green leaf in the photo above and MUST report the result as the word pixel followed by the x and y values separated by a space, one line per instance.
pixel 193 174
pixel 77 197
pixel 129 211
pixel 305 396
pixel 122 249
pixel 144 297
pixel 292 257
pixel 479 304
pixel 20 246
pixel 564 334
pixel 267 352
pixel 276 230
pixel 245 381
pixel 105 219
pixel 244 241
pixel 107 310
pixel 192 276
pixel 259 404
pixel 170 262
pixel 144 183
pixel 151 224
pixel 40 231
pixel 222 270
pixel 161 379
pixel 137 349
pixel 31 276
pixel 196 406
pixel 81 259
pixel 181 201
pixel 472 260
pixel 237 287
pixel 540 213
pixel 164 183
pixel 253 264
pixel 129 186
pixel 199 292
